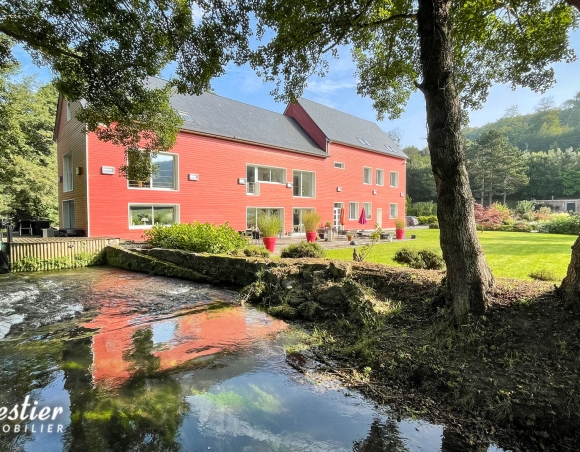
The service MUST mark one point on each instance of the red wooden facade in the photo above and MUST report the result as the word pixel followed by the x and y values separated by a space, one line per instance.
pixel 218 195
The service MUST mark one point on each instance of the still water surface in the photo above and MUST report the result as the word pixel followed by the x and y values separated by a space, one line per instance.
pixel 130 362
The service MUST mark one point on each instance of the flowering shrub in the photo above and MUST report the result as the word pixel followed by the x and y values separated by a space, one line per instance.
pixel 561 224
pixel 486 217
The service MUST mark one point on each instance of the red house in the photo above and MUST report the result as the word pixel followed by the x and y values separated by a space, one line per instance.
pixel 231 162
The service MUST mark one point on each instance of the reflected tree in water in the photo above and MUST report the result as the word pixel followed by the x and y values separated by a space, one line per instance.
pixel 144 414
pixel 382 438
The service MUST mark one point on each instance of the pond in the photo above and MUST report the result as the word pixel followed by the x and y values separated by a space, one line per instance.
pixel 100 359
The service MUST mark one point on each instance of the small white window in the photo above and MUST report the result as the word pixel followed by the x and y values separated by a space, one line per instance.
pixel 68 111
pixel 393 211
pixel 367 175
pixel 394 179
pixel 353 210
pixel 67 172
pixel 363 141
pixel 368 210
pixel 391 149
pixel 380 177
pixel 339 165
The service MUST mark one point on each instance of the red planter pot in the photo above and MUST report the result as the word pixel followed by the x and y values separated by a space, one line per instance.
pixel 311 236
pixel 400 234
pixel 269 243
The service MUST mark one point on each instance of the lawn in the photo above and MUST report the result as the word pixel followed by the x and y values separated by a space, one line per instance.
pixel 510 254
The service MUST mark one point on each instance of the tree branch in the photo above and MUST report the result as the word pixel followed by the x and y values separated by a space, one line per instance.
pixel 386 20
pixel 40 44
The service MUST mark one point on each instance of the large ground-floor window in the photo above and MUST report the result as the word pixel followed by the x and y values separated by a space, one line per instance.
pixel 297 225
pixel 252 214
pixel 144 216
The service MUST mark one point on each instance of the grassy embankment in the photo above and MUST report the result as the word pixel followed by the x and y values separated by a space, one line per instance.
pixel 510 254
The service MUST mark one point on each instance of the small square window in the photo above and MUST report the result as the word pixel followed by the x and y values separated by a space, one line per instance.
pixel 368 210
pixel 353 210
pixel 380 177
pixel 367 175
pixel 339 165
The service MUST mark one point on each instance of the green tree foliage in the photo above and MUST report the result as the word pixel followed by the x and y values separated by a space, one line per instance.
pixel 549 127
pixel 551 173
pixel 420 182
pixel 101 51
pixel 495 166
pixel 28 171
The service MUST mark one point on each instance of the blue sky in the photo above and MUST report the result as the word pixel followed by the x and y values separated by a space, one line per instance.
pixel 338 90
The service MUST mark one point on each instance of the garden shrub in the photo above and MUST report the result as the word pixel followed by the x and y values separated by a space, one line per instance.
pixel 423 259
pixel 524 207
pixel 561 224
pixel 433 225
pixel 543 275
pixel 196 237
pixel 302 249
pixel 422 209
pixel 427 219
pixel 256 251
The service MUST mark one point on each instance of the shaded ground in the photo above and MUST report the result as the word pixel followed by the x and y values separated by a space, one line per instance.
pixel 510 377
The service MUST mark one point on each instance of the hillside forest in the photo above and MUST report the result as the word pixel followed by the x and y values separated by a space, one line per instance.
pixel 533 156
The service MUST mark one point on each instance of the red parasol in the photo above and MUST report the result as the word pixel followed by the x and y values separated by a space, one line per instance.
pixel 342 219
pixel 363 218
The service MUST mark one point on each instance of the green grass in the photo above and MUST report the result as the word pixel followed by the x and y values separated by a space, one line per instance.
pixel 510 254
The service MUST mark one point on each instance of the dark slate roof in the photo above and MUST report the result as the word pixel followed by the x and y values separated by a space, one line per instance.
pixel 348 129
pixel 216 115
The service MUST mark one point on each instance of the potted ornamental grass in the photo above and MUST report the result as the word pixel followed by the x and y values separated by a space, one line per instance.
pixel 310 220
pixel 270 226
pixel 399 228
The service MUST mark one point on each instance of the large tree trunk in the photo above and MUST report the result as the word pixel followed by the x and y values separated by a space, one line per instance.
pixel 469 278
pixel 571 284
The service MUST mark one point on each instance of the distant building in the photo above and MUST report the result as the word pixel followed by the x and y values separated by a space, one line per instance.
pixel 561 205
pixel 231 162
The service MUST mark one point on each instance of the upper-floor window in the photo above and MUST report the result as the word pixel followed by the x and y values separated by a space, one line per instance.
pixel 265 174
pixel 394 179
pixel 68 111
pixel 380 177
pixel 67 172
pixel 164 175
pixel 303 183
pixel 339 165
pixel 353 210
pixel 367 175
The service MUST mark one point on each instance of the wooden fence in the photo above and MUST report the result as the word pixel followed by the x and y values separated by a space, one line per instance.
pixel 37 254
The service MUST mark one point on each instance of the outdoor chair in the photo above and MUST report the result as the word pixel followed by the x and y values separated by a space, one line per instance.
pixel 25 225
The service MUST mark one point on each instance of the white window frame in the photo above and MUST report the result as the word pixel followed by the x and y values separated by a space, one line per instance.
pixel 68 111
pixel 67 176
pixel 391 217
pixel 396 177
pixel 356 211
pixel 313 183
pixel 175 176
pixel 369 211
pixel 339 165
pixel 257 181
pixel 370 175
pixel 382 173
pixel 152 205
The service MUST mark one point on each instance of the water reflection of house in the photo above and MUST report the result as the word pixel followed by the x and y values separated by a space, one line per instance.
pixel 175 339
